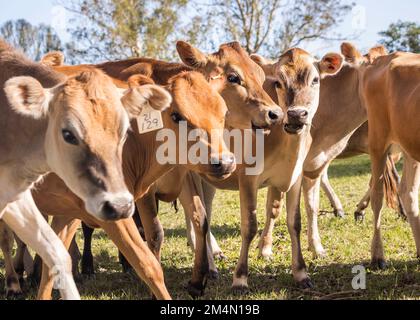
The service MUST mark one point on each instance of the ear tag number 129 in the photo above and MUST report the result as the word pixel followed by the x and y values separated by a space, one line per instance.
pixel 149 120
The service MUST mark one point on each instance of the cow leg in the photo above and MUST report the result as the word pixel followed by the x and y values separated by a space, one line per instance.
pixel 209 193
pixel 190 232
pixel 24 218
pixel 192 200
pixel 35 275
pixel 378 159
pixel 332 196
pixel 409 191
pixel 311 190
pixel 13 288
pixel 75 257
pixel 23 260
pixel 359 214
pixel 273 209
pixel 294 226
pixel 87 257
pixel 126 237
pixel 66 228
pixel 153 229
pixel 126 266
pixel 249 227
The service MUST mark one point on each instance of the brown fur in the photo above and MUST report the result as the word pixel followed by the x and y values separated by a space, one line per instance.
pixel 192 96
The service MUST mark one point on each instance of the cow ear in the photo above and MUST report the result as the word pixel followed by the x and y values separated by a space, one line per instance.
pixel 53 59
pixel 190 55
pixel 260 60
pixel 266 65
pixel 376 52
pixel 350 53
pixel 142 68
pixel 136 99
pixel 330 64
pixel 27 96
pixel 138 80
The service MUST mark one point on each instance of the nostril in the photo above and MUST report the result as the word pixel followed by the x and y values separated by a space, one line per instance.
pixel 109 210
pixel 273 115
pixel 304 114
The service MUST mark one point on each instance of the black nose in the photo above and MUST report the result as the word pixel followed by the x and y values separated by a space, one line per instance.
pixel 114 212
pixel 223 166
pixel 274 115
pixel 297 115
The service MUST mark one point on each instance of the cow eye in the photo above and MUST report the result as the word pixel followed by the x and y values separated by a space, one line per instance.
pixel 176 117
pixel 234 78
pixel 69 137
pixel 315 82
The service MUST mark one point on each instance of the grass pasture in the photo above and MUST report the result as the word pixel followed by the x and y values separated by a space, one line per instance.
pixel 347 244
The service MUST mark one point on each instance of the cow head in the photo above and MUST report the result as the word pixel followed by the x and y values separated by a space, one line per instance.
pixel 239 80
pixel 297 77
pixel 88 119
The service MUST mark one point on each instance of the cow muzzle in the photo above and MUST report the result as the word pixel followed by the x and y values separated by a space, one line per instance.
pixel 297 119
pixel 113 207
pixel 224 166
pixel 273 115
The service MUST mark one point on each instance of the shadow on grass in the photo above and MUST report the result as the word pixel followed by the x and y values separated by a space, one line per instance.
pixel 333 281
pixel 354 166
pixel 350 168
pixel 217 230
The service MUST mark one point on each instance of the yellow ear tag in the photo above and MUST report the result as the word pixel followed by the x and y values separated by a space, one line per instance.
pixel 149 120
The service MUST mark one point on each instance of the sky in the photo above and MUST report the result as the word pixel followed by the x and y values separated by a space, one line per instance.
pixel 367 19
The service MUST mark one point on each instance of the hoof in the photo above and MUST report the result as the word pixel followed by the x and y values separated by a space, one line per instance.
pixel 378 264
pixel 195 290
pixel 219 256
pixel 320 254
pixel 213 275
pixel 14 295
pixel 266 253
pixel 13 289
pixel 339 213
pixel 305 284
pixel 240 289
pixel 359 216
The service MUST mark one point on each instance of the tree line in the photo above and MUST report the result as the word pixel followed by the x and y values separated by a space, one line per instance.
pixel 118 29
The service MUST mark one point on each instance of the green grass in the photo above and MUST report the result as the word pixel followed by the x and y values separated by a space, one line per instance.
pixel 347 244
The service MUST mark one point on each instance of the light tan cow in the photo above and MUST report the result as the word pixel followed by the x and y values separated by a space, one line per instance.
pixel 64 129
pixel 239 81
pixel 192 98
pixel 285 148
pixel 391 93
pixel 358 145
pixel 339 115
pixel 365 68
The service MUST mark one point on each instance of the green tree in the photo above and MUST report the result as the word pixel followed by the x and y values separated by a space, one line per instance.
pixel 117 29
pixel 271 26
pixel 34 41
pixel 402 36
